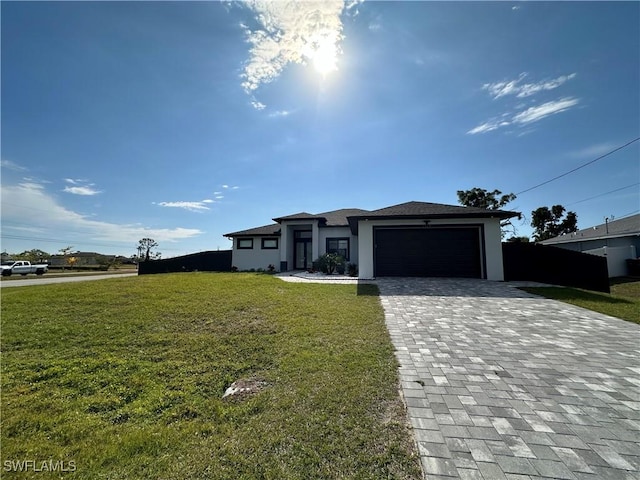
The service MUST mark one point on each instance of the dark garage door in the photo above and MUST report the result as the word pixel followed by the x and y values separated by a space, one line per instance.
pixel 427 252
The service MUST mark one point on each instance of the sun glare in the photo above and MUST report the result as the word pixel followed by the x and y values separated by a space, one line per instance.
pixel 325 58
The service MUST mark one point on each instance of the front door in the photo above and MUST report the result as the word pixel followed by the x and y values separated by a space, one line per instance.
pixel 302 260
pixel 302 256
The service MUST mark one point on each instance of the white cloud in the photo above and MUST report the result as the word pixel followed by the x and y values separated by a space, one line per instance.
pixel 521 114
pixel 190 206
pixel 80 187
pixel 290 32
pixel 537 113
pixel 525 117
pixel 29 204
pixel 513 87
pixel 81 190
pixel 12 166
pixel 488 126
pixel 280 113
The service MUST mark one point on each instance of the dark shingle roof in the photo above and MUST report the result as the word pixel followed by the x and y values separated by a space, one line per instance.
pixel 296 216
pixel 623 227
pixel 428 210
pixel 434 210
pixel 333 218
pixel 339 218
pixel 265 230
pixel 350 216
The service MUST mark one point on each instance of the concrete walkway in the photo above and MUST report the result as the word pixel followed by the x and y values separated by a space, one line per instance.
pixel 503 384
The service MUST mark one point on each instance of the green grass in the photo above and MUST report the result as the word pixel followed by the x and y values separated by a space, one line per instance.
pixel 623 302
pixel 124 377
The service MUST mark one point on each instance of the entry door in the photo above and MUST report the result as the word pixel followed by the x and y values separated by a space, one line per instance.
pixel 303 258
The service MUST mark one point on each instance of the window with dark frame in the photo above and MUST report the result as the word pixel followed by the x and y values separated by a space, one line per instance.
pixel 245 243
pixel 269 243
pixel 339 246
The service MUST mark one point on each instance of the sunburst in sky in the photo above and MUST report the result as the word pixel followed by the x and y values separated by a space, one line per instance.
pixel 306 33
pixel 325 57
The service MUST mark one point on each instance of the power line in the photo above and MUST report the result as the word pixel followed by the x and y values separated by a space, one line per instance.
pixel 581 166
pixel 603 194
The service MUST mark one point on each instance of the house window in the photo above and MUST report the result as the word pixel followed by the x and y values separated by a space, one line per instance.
pixel 269 243
pixel 245 243
pixel 339 246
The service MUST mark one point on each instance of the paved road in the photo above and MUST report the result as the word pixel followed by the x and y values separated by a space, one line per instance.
pixel 503 384
pixel 44 280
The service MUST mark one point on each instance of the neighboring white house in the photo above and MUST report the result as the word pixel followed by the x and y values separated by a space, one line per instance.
pixel 410 239
pixel 618 240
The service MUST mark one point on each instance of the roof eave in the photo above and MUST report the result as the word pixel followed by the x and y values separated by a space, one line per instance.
pixel 574 239
pixel 500 214
pixel 248 233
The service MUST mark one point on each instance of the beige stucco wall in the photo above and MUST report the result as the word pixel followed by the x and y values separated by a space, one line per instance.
pixel 338 232
pixel 492 242
pixel 257 257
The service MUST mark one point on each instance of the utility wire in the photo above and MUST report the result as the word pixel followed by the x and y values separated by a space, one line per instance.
pixel 581 166
pixel 603 194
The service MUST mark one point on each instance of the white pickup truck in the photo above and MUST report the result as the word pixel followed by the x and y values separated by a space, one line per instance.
pixel 21 267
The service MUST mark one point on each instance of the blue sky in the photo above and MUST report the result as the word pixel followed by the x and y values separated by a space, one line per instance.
pixel 183 121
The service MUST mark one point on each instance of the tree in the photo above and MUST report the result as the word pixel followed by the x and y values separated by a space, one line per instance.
pixel 481 198
pixel 548 223
pixel 34 255
pixel 65 251
pixel 521 239
pixel 146 245
pixel 71 261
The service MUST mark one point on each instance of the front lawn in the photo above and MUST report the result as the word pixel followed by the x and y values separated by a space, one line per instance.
pixel 623 302
pixel 123 379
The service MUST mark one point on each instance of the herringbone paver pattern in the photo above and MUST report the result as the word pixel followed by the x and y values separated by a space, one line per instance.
pixel 502 384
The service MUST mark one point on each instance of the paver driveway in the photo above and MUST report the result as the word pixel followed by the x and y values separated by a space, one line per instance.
pixel 503 384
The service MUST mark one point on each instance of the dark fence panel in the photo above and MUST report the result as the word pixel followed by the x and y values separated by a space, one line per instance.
pixel 547 264
pixel 219 261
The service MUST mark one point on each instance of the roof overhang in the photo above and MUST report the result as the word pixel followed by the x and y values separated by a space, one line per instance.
pixel 499 214
pixel 576 239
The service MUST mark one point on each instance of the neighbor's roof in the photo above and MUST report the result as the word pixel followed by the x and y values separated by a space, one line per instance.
pixel 264 231
pixel 624 227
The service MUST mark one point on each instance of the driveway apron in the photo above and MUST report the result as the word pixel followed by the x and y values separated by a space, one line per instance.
pixel 503 384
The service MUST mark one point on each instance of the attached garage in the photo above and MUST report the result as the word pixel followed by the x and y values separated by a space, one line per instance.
pixel 429 252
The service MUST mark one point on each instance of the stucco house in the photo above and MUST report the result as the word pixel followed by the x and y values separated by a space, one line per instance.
pixel 409 239
pixel 618 240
